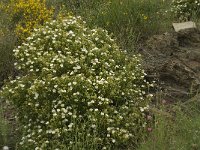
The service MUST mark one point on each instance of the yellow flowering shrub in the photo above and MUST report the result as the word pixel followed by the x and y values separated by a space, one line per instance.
pixel 28 14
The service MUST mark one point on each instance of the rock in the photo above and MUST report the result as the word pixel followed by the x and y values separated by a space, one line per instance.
pixel 184 25
pixel 174 60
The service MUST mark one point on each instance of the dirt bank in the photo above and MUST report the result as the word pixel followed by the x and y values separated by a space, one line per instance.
pixel 173 59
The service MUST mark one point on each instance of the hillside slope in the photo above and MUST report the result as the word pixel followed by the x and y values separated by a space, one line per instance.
pixel 174 60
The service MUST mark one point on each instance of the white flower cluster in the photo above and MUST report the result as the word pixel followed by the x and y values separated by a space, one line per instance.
pixel 185 9
pixel 77 81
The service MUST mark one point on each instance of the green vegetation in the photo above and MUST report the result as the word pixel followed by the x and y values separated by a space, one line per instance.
pixel 177 127
pixel 25 15
pixel 9 134
pixel 63 84
pixel 128 20
pixel 186 9
pixel 7 44
pixel 4 129
pixel 77 79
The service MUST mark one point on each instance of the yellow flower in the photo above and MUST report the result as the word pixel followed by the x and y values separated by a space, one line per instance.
pixel 145 17
pixel 28 14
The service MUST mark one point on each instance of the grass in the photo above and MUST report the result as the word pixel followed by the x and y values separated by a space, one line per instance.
pixel 9 135
pixel 6 62
pixel 177 127
pixel 7 44
pixel 4 129
pixel 8 129
pixel 130 21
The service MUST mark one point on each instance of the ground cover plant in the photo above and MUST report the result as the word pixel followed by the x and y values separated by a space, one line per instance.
pixel 75 79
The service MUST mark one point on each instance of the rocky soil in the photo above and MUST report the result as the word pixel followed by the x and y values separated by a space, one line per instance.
pixel 173 59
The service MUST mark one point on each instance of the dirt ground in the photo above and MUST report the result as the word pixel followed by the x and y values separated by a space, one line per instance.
pixel 173 60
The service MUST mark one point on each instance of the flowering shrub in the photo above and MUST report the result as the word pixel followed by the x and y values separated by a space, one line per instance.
pixel 185 9
pixel 27 14
pixel 78 87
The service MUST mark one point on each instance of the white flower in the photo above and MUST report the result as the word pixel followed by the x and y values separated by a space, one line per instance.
pixel 74 83
pixel 71 32
pixel 70 125
pixel 120 117
pixel 108 129
pixel 69 113
pixel 141 109
pixel 113 140
pixel 102 113
pixel 77 67
pixel 36 95
pixel 37 148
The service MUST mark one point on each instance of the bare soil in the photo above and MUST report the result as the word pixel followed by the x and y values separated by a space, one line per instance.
pixel 173 59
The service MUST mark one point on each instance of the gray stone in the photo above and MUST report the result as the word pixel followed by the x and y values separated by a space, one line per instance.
pixel 184 25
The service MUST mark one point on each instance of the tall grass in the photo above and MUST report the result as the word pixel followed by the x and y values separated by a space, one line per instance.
pixel 7 43
pixel 131 20
pixel 6 61
pixel 9 133
pixel 128 20
pixel 4 129
pixel 176 127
